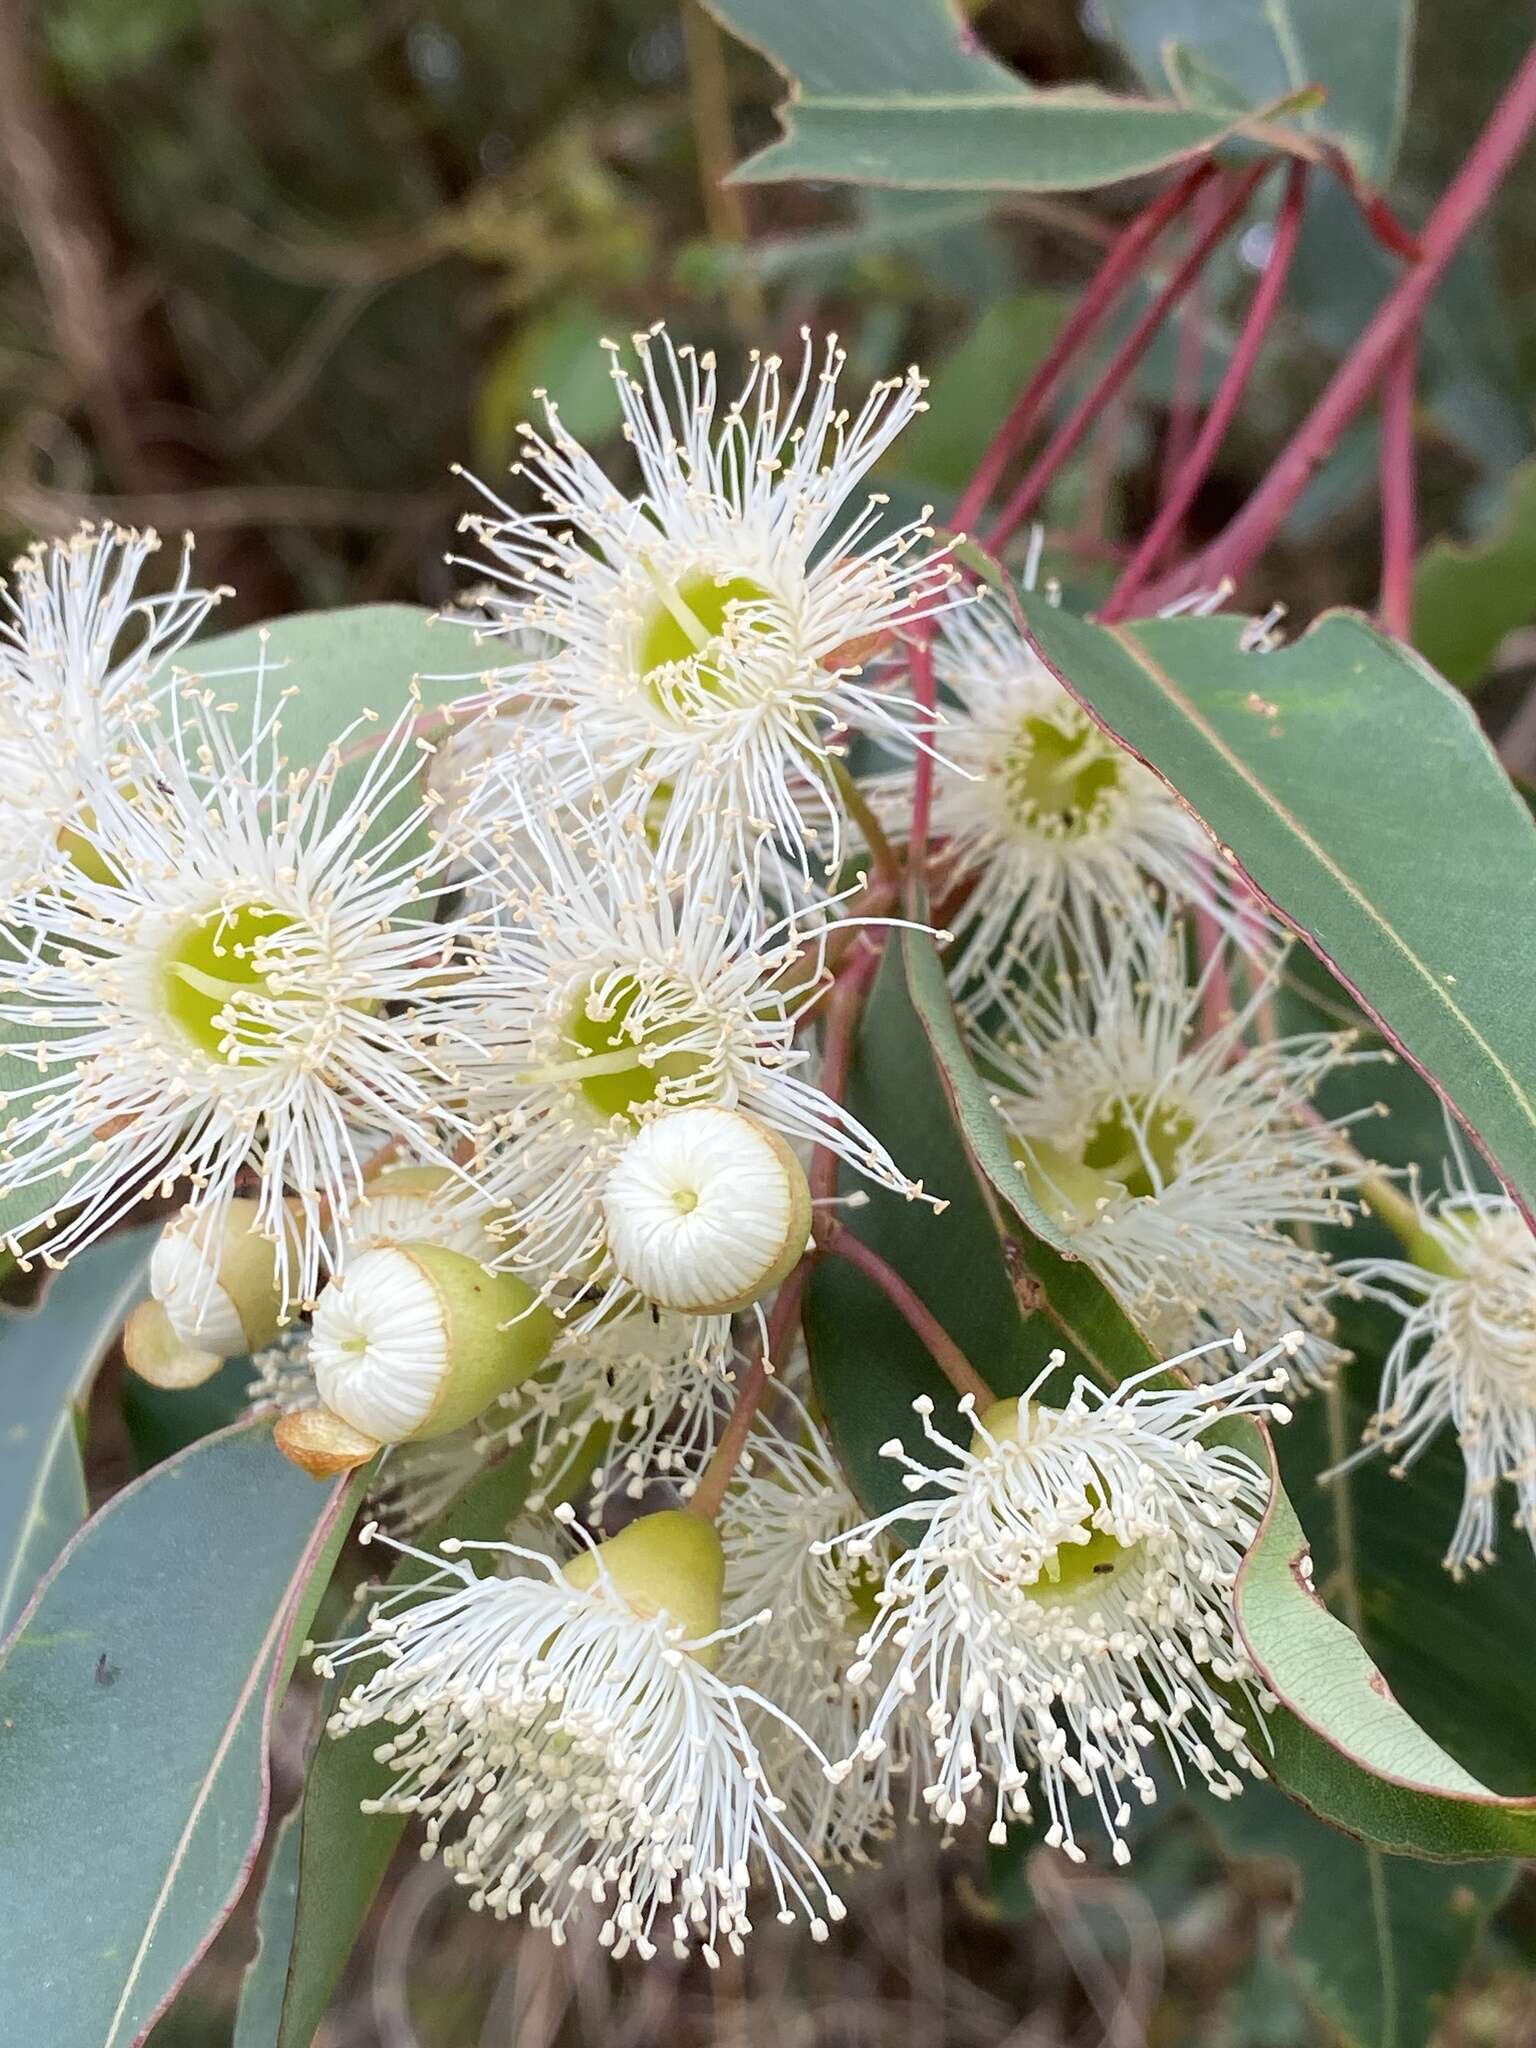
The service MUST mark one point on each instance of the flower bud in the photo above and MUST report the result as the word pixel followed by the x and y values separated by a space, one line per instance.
pixel 415 1340
pixel 669 1563
pixel 706 1211
pixel 215 1276
pixel 419 1205
pixel 156 1353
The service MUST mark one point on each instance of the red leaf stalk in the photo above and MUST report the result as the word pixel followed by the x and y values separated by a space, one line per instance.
pixel 1063 443
pixel 1261 313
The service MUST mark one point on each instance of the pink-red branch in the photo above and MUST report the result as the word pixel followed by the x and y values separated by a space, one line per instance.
pixel 1466 199
pixel 1261 313
pixel 1063 443
pixel 1398 522
pixel 942 1348
pixel 1119 266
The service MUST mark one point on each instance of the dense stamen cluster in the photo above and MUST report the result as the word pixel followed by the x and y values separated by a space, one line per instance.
pixel 1065 1601
pixel 499 1062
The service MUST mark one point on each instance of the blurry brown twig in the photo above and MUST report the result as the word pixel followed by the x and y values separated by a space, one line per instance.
pixel 109 322
pixel 709 105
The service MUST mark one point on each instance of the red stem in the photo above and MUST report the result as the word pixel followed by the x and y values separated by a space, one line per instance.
pixel 844 1007
pixel 1189 364
pixel 1261 312
pixel 946 1353
pixel 1465 200
pixel 708 1495
pixel 1122 262
pixel 1064 441
pixel 1397 481
pixel 925 695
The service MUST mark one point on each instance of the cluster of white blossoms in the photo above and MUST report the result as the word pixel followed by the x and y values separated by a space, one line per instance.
pixel 483 1060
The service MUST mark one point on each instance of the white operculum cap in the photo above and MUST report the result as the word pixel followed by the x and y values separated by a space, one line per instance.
pixel 706 1211
pixel 214 1294
pixel 414 1340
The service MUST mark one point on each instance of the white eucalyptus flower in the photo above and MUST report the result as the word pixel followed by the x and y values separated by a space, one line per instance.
pixel 1066 1601
pixel 216 990
pixel 570 1747
pixel 82 654
pixel 1465 1355
pixel 1179 1164
pixel 656 1382
pixel 710 633
pixel 783 1525
pixel 621 978
pixel 1039 815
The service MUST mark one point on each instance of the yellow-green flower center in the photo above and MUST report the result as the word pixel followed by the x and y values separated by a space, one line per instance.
pixel 1072 1567
pixel 1057 776
pixel 620 1071
pixel 213 985
pixel 692 619
pixel 1132 1149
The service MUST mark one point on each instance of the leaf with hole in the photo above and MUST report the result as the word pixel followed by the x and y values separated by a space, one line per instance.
pixel 897 92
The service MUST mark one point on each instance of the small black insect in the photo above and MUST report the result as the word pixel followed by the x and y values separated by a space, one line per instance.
pixel 106 1673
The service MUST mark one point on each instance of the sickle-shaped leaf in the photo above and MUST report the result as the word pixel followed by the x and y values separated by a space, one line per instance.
pixel 1355 789
pixel 891 92
pixel 48 1357
pixel 136 1699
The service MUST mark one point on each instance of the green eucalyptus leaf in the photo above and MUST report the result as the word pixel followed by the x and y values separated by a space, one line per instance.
pixel 49 1355
pixel 892 92
pixel 1263 50
pixel 1468 594
pixel 136 1701
pixel 261 1995
pixel 1378 1942
pixel 1324 768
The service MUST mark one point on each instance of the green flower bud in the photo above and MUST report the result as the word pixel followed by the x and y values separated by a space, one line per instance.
pixel 216 1278
pixel 414 1340
pixel 669 1563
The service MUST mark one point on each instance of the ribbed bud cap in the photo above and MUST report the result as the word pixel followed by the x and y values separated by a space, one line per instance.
pixel 414 1340
pixel 216 1279
pixel 706 1211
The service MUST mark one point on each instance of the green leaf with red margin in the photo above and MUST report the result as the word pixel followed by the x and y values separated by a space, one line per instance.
pixel 136 1703
pixel 1355 789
